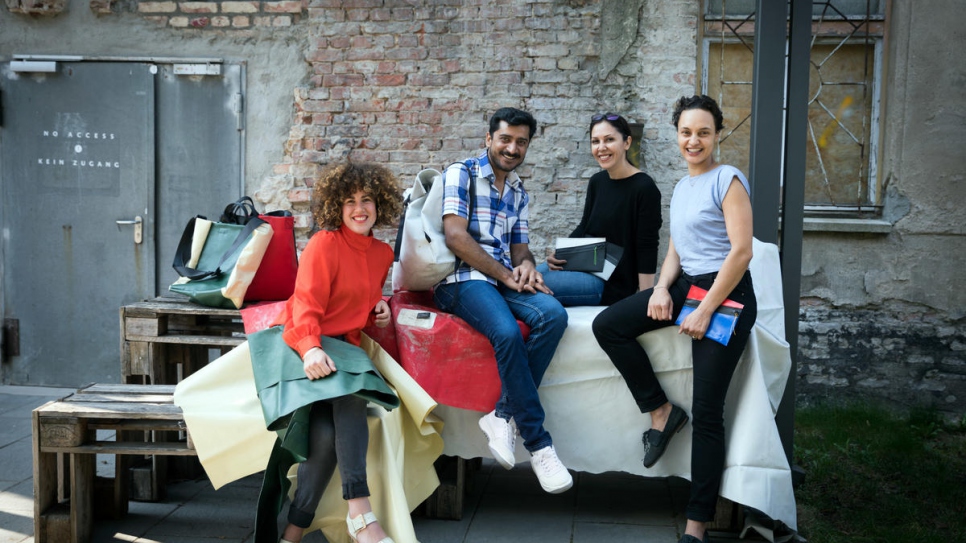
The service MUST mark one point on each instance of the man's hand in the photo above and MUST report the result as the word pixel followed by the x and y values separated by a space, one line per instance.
pixel 527 278
pixel 382 314
pixel 317 364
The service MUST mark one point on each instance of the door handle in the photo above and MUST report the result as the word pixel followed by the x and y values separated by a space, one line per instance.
pixel 137 223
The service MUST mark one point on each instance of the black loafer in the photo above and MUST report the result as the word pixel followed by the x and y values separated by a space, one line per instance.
pixel 688 538
pixel 655 442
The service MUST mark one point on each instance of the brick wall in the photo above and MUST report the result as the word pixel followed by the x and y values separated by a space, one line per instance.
pixel 412 84
pixel 227 15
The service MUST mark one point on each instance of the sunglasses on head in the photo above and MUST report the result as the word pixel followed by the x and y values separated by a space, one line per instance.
pixel 608 116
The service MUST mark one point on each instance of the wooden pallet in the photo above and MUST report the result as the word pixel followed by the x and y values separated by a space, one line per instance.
pixel 166 339
pixel 65 445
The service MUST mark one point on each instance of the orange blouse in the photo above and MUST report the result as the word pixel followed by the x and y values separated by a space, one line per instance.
pixel 339 282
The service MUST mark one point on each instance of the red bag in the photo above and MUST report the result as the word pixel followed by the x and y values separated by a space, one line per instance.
pixel 275 278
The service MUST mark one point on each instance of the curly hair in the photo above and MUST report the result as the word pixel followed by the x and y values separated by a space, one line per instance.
pixel 340 180
pixel 702 101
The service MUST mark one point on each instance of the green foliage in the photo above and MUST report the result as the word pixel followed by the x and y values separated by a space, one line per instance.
pixel 874 476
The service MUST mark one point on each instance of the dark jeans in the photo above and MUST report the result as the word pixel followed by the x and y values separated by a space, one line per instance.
pixel 616 329
pixel 338 435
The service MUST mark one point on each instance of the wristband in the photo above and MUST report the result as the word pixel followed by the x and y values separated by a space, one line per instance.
pixel 659 286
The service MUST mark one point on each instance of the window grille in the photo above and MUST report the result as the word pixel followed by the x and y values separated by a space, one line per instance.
pixel 844 96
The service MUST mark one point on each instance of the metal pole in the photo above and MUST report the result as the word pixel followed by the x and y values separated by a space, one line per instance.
pixel 793 197
pixel 767 117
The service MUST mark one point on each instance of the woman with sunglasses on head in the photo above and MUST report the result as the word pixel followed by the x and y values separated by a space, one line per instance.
pixel 622 205
pixel 710 247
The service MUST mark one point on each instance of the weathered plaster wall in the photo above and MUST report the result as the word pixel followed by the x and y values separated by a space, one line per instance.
pixel 274 57
pixel 884 316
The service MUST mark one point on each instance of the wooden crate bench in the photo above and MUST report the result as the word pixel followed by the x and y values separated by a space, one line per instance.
pixel 65 445
pixel 167 338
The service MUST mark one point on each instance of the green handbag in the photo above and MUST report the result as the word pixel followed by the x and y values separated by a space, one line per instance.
pixel 217 261
pixel 283 387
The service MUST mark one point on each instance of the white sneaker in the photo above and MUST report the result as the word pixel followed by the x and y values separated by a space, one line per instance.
pixel 502 437
pixel 552 474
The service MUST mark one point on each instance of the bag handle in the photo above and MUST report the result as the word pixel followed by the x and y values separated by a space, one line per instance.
pixel 183 254
pixel 240 211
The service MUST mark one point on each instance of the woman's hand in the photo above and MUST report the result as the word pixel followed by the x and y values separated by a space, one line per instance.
pixel 696 324
pixel 317 364
pixel 660 307
pixel 555 263
pixel 382 314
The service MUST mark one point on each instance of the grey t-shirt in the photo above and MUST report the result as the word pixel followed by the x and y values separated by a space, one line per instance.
pixel 697 221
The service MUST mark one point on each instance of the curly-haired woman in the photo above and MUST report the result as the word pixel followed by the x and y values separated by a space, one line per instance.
pixel 338 291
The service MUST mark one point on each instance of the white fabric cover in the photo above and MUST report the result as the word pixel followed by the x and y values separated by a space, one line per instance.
pixel 597 427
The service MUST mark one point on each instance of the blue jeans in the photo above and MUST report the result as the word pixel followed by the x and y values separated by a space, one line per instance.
pixel 493 311
pixel 573 288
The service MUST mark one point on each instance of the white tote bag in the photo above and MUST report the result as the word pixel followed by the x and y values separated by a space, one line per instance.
pixel 422 258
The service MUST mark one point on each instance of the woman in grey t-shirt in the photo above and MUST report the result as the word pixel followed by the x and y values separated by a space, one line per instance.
pixel 710 247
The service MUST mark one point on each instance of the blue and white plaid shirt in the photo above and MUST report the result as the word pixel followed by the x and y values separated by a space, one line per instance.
pixel 497 222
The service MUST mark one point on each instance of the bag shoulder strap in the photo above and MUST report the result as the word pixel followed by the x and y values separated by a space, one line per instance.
pixel 470 199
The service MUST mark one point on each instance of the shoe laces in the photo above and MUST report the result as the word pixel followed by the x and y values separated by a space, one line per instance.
pixel 506 430
pixel 548 461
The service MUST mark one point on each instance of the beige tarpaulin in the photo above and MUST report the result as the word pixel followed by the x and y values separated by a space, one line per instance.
pixel 225 420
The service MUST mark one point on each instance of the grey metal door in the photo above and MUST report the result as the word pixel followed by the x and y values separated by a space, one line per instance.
pixel 77 157
pixel 101 165
pixel 200 126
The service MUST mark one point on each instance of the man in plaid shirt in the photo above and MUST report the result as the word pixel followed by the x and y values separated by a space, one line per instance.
pixel 497 283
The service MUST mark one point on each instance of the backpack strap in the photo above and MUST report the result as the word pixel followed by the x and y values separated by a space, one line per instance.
pixel 471 198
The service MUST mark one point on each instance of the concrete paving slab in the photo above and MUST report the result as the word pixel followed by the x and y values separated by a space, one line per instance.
pixel 16 528
pixel 522 517
pixel 595 532
pixel 617 498
pixel 18 498
pixel 16 461
pixel 14 428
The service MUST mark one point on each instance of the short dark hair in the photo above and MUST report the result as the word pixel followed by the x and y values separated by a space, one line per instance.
pixel 701 101
pixel 513 117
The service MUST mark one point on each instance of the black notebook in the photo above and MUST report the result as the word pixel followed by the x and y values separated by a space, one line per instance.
pixel 592 255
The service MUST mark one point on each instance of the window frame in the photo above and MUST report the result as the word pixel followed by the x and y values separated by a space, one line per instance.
pixel 710 32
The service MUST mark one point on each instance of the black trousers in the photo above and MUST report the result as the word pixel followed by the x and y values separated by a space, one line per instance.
pixel 616 329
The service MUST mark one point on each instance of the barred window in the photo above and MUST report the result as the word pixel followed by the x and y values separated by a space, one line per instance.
pixel 844 94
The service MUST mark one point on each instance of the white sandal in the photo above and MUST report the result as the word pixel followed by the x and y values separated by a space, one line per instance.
pixel 359 523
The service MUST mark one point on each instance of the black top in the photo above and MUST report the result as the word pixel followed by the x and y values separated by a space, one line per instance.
pixel 628 213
